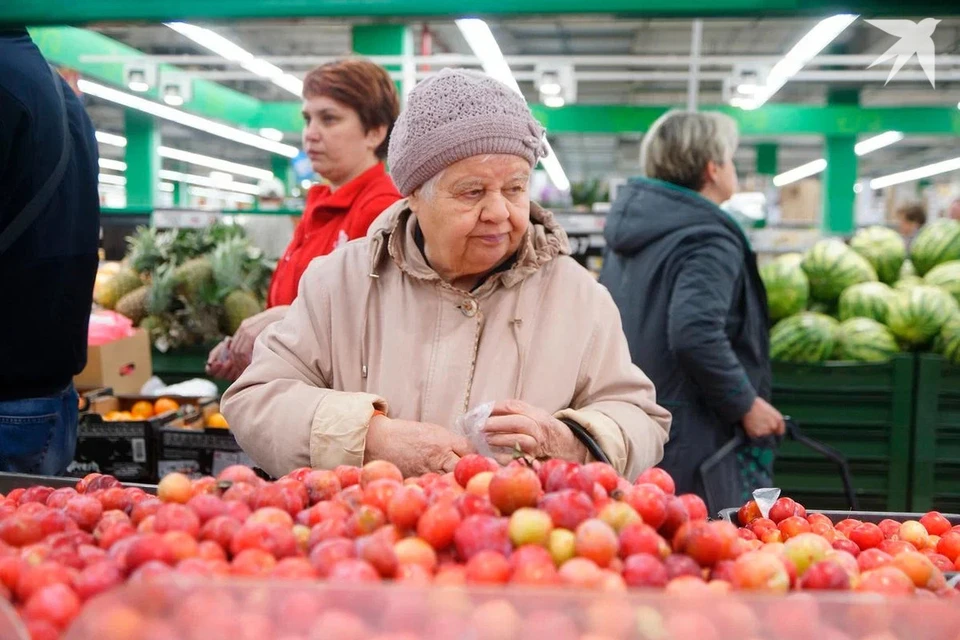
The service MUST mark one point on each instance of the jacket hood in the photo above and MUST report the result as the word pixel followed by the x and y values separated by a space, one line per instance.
pixel 393 233
pixel 647 210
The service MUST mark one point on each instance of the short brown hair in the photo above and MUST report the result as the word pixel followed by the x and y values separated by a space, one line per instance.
pixel 913 212
pixel 363 86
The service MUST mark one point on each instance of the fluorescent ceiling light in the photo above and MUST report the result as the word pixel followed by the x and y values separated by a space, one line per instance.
pixel 113 165
pixel 167 187
pixel 218 193
pixel 109 178
pixel 550 89
pixel 484 46
pixel 803 52
pixel 801 172
pixel 747 89
pixel 214 163
pixel 916 174
pixel 205 181
pixel 272 134
pixel 226 49
pixel 111 138
pixel 184 118
pixel 554 102
pixel 877 142
pixel 173 99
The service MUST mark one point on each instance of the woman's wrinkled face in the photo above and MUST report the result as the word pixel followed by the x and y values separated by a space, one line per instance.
pixel 476 216
pixel 335 141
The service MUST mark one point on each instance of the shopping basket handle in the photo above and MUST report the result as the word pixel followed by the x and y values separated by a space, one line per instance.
pixel 795 434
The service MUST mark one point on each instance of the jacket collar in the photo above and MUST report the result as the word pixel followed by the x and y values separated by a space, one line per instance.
pixel 345 196
pixel 393 234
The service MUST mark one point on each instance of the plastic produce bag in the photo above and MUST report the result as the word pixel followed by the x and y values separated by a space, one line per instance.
pixel 765 500
pixel 107 326
pixel 470 426
pixel 196 387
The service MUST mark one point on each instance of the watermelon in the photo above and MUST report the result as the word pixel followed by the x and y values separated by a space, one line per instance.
pixel 918 314
pixel 948 342
pixel 866 300
pixel 884 249
pixel 907 282
pixel 947 277
pixel 937 242
pixel 864 340
pixel 806 337
pixel 907 269
pixel 832 266
pixel 787 287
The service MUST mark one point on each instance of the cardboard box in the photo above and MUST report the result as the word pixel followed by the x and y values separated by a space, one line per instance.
pixel 124 365
pixel 198 453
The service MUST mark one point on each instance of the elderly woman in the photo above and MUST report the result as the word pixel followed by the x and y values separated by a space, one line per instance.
pixel 693 306
pixel 462 294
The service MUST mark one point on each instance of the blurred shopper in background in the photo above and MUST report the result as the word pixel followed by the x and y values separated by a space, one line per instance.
pixel 349 108
pixel 49 234
pixel 910 218
pixel 954 211
pixel 692 303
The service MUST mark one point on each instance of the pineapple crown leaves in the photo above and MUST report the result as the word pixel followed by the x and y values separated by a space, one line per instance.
pixel 162 289
pixel 236 266
pixel 145 249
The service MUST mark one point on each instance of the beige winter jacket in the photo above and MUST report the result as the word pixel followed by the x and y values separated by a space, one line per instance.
pixel 373 326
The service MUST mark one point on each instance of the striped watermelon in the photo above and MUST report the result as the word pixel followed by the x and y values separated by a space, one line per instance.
pixel 937 242
pixel 948 342
pixel 832 266
pixel 907 269
pixel 885 250
pixel 866 300
pixel 907 282
pixel 806 337
pixel 917 315
pixel 947 277
pixel 787 286
pixel 864 340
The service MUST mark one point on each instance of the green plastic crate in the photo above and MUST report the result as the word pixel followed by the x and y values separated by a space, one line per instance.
pixel 864 411
pixel 936 436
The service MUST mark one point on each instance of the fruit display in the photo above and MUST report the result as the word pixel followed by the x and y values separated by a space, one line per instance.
pixel 529 524
pixel 186 287
pixel 914 299
pixel 937 242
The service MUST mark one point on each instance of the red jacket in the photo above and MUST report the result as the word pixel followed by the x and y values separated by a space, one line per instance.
pixel 330 219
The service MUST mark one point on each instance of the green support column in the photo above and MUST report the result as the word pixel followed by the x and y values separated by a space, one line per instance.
pixel 143 163
pixel 281 170
pixel 384 40
pixel 179 194
pixel 841 174
pixel 767 159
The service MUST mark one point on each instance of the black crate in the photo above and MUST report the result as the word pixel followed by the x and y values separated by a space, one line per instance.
pixel 124 450
pixel 11 481
pixel 198 453
pixel 730 515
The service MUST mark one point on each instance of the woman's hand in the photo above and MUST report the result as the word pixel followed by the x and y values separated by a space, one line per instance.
pixel 241 346
pixel 221 364
pixel 415 447
pixel 515 423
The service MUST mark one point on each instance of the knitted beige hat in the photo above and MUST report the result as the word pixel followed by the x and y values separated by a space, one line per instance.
pixel 454 115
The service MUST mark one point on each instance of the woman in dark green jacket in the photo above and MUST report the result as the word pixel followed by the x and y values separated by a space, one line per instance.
pixel 692 303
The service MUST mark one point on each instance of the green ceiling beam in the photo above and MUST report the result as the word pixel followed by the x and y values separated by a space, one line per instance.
pixel 773 119
pixel 66 45
pixel 86 11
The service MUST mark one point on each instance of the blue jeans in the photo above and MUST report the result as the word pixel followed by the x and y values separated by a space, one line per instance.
pixel 39 435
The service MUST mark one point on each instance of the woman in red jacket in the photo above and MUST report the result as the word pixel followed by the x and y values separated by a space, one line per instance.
pixel 349 108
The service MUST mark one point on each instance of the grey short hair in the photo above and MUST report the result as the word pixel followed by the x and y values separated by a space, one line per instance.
pixel 679 144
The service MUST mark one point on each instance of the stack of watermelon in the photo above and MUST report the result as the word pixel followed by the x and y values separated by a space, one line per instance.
pixel 866 301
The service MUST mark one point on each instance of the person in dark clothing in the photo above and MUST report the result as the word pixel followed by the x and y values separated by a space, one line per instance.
pixel 692 303
pixel 49 234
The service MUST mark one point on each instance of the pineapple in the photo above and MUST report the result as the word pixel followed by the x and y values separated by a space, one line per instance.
pixel 125 281
pixel 192 276
pixel 160 295
pixel 134 304
pixel 144 250
pixel 239 303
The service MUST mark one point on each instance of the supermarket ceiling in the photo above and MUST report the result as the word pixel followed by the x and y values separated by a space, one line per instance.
pixel 602 59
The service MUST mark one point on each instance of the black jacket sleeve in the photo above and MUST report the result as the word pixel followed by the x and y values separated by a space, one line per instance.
pixel 699 306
